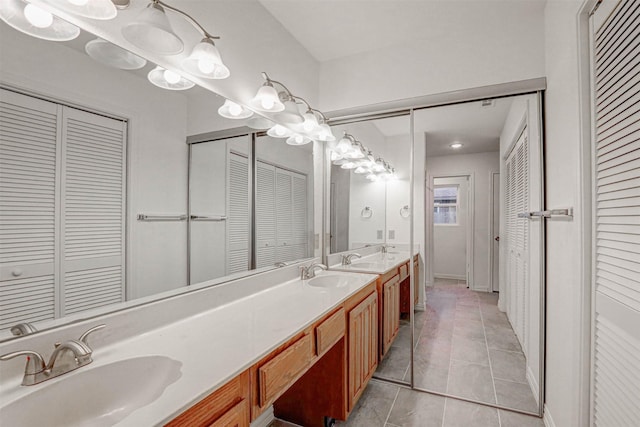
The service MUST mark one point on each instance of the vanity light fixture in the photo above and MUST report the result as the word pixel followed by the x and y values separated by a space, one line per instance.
pixel 151 31
pixel 456 145
pixel 290 114
pixel 298 139
pixel 279 131
pixel 267 100
pixel 259 123
pixel 205 61
pixel 231 110
pixel 35 21
pixel 113 56
pixel 167 79
pixel 94 9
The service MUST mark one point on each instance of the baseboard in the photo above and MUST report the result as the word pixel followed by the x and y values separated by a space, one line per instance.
pixel 533 383
pixel 546 417
pixel 419 307
pixel 450 276
pixel 264 419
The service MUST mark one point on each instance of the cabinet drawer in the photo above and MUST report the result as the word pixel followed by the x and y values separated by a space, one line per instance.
pixel 217 405
pixel 330 331
pixel 238 416
pixel 275 376
pixel 404 271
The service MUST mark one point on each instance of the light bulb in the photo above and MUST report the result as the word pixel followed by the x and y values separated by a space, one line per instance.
pixel 38 17
pixel 235 109
pixel 280 130
pixel 206 66
pixel 299 139
pixel 78 2
pixel 171 77
pixel 267 103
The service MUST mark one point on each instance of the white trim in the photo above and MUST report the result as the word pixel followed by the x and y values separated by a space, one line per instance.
pixel 450 276
pixel 533 383
pixel 547 419
pixel 264 419
pixel 492 231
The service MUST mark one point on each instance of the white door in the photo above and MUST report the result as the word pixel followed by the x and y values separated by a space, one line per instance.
pixel 450 227
pixel 616 335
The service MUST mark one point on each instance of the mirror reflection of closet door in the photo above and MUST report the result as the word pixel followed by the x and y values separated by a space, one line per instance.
pixel 218 209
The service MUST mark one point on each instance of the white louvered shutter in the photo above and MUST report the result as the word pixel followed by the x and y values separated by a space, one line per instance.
pixel 93 213
pixel 28 144
pixel 616 347
pixel 238 216
pixel 300 217
pixel 265 214
pixel 284 215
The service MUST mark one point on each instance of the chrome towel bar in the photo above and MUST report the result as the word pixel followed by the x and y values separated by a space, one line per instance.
pixel 568 212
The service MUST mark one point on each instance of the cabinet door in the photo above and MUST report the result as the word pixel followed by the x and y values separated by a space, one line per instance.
pixel 363 345
pixel 390 312
pixel 238 416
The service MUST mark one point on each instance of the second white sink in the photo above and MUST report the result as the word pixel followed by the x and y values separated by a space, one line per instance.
pixel 332 281
pixel 100 396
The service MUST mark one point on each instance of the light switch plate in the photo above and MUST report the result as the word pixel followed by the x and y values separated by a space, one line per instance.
pixel 379 234
pixel 392 234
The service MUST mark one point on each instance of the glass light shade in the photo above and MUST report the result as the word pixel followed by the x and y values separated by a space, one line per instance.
pixel 231 110
pixel 378 166
pixel 94 9
pixel 279 131
pixel 205 61
pixel 298 140
pixel 340 161
pixel 348 165
pixel 114 56
pixel 335 156
pixel 167 79
pixel 344 146
pixel 310 124
pixel 259 123
pixel 151 31
pixel 325 134
pixel 372 177
pixel 267 100
pixel 290 114
pixel 361 170
pixel 355 153
pixel 35 21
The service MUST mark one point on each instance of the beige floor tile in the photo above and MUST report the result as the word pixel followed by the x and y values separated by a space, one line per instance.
pixel 417 409
pixel 513 419
pixel 508 365
pixel 515 395
pixel 469 350
pixel 373 407
pixel 471 381
pixel 464 414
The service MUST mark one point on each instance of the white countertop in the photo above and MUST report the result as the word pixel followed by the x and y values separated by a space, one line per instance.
pixel 216 345
pixel 378 263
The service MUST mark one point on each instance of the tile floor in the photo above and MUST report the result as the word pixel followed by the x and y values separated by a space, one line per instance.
pixel 464 346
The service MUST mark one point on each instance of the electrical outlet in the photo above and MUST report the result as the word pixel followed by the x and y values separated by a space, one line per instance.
pixel 380 235
pixel 392 234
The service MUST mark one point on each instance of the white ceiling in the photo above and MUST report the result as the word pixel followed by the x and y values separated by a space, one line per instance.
pixel 331 29
pixel 477 128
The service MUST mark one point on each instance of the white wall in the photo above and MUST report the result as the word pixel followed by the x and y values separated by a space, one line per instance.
pixel 473 44
pixel 481 166
pixel 450 240
pixel 157 150
pixel 566 281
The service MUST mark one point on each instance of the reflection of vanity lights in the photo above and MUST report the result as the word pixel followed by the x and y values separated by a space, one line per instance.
pixel 113 56
pixel 279 131
pixel 167 79
pixel 231 110
pixel 298 139
pixel 349 153
pixel 456 145
pixel 35 21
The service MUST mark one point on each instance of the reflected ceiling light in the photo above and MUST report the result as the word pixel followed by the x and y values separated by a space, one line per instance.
pixel 290 114
pixel 231 110
pixel 205 61
pixel 456 145
pixel 167 79
pixel 279 131
pixel 259 123
pixel 152 31
pixel 35 21
pixel 114 56
pixel 94 9
pixel 298 139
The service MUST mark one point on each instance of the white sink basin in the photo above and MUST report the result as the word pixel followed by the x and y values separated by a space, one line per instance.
pixel 332 281
pixel 100 396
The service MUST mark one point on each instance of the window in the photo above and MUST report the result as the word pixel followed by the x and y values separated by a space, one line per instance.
pixel 445 205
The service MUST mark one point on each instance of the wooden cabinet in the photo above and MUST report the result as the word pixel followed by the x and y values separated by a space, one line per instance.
pixel 363 345
pixel 330 331
pixel 390 312
pixel 226 407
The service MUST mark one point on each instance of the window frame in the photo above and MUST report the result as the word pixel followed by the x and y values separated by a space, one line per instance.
pixel 456 205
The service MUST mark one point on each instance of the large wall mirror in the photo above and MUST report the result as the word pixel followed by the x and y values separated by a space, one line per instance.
pixel 106 205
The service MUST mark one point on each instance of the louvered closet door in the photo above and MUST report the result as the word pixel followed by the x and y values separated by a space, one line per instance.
pixel 284 215
pixel 265 214
pixel 616 357
pixel 300 218
pixel 93 210
pixel 238 218
pixel 28 144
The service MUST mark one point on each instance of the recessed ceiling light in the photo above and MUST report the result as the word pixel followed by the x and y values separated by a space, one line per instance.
pixel 455 145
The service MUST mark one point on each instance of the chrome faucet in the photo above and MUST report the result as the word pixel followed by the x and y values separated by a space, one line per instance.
pixel 309 271
pixel 66 357
pixel 385 247
pixel 346 259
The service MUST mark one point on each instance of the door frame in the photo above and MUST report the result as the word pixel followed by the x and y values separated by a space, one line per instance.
pixel 429 225
pixel 494 179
